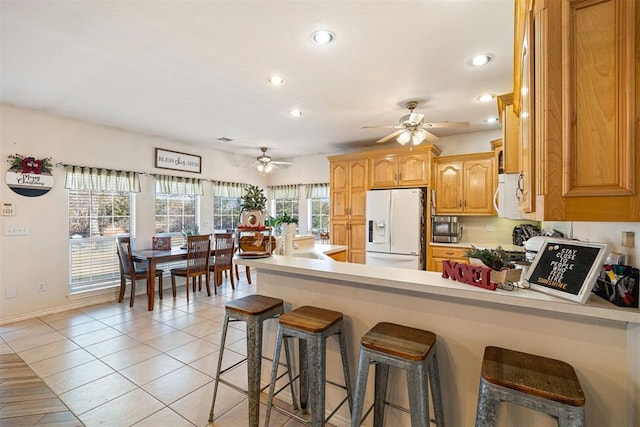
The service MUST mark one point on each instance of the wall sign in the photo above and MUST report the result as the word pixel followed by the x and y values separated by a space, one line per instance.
pixel 29 176
pixel 175 160
pixel 567 268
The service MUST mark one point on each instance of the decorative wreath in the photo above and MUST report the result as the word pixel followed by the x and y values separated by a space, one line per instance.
pixel 29 164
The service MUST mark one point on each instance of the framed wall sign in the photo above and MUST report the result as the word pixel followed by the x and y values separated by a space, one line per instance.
pixel 567 268
pixel 175 160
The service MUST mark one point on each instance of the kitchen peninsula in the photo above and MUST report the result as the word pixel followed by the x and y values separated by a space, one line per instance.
pixel 600 340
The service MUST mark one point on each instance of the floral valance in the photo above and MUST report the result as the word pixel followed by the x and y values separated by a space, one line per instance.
pixel 87 178
pixel 167 184
pixel 228 189
pixel 291 191
pixel 317 191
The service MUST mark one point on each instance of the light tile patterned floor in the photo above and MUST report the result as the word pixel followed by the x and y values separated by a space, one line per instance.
pixel 111 365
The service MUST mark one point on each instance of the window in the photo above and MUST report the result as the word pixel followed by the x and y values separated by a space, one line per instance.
pixel 319 209
pixel 176 213
pixel 95 219
pixel 226 212
pixel 288 206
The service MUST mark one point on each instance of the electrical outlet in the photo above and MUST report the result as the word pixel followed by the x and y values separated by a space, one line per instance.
pixel 489 227
pixel 42 287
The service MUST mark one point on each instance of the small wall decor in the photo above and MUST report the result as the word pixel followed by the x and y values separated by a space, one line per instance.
pixel 29 176
pixel 175 160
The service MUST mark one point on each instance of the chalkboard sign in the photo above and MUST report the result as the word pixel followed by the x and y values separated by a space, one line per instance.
pixel 567 268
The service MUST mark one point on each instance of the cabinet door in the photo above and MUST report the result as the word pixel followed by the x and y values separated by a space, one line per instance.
pixel 357 248
pixel 339 233
pixel 339 188
pixel 449 184
pixel 358 190
pixel 479 186
pixel 384 172
pixel 413 170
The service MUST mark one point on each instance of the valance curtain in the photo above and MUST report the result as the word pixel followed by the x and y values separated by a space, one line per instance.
pixel 87 178
pixel 167 184
pixel 228 189
pixel 284 191
pixel 317 191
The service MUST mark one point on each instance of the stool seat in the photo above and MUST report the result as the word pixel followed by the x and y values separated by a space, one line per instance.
pixel 400 341
pixel 253 305
pixel 547 378
pixel 310 319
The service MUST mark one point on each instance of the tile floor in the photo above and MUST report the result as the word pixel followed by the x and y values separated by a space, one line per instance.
pixel 112 365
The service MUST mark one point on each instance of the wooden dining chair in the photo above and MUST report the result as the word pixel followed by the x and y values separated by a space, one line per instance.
pixel 128 270
pixel 224 244
pixel 198 253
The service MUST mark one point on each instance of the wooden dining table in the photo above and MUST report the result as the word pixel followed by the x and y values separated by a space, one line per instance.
pixel 154 257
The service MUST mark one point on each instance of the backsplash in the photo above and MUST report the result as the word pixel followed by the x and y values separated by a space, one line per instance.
pixel 489 229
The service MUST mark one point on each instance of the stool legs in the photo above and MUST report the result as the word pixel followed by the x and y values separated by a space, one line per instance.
pixel 380 393
pixel 436 391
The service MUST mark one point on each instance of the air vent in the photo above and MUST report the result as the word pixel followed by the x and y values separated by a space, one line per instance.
pixel 224 139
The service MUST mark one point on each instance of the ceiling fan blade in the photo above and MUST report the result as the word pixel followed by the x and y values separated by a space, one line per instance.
pixel 447 125
pixel 382 127
pixel 431 137
pixel 281 162
pixel 416 117
pixel 391 135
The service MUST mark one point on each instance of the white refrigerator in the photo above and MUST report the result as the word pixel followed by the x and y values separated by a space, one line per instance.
pixel 396 228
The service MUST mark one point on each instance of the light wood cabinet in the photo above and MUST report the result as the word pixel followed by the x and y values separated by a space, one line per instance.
pixel 393 171
pixel 465 185
pixel 339 256
pixel 442 253
pixel 348 191
pixel 583 143
pixel 511 153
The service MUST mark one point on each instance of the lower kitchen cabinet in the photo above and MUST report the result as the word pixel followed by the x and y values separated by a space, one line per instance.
pixel 442 253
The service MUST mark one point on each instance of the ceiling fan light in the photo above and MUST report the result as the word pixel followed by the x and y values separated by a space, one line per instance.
pixel 404 137
pixel 419 136
pixel 260 167
pixel 268 168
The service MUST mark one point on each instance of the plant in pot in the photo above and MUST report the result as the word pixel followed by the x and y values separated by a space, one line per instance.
pixel 497 260
pixel 287 223
pixel 252 207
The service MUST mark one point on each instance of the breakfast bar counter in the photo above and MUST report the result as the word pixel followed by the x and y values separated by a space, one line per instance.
pixel 600 340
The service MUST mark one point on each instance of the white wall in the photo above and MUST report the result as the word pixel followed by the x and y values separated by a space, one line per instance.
pixel 466 143
pixel 42 256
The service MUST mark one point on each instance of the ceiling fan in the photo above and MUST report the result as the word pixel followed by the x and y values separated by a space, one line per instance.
pixel 412 128
pixel 265 164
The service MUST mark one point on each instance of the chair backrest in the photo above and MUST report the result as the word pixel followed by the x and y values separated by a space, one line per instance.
pixel 123 245
pixel 225 247
pixel 198 252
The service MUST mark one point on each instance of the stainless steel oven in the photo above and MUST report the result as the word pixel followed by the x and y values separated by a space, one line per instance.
pixel 446 229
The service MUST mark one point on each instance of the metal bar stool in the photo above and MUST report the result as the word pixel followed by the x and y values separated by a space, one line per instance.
pixel 546 385
pixel 312 326
pixel 410 349
pixel 253 310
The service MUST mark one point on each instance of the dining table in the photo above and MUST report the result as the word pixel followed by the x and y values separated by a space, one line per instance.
pixel 154 257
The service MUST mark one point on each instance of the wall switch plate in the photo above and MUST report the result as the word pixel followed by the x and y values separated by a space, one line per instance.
pixel 10 292
pixel 7 209
pixel 489 227
pixel 16 230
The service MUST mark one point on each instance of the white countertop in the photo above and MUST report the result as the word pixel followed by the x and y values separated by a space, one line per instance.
pixel 432 283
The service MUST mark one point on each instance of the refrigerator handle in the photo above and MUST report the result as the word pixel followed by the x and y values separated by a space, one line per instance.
pixel 370 231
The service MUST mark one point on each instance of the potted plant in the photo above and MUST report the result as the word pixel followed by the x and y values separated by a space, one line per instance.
pixel 287 222
pixel 497 260
pixel 252 207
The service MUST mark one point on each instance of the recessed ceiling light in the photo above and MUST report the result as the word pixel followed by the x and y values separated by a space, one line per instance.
pixel 276 80
pixel 492 120
pixel 295 113
pixel 480 60
pixel 487 97
pixel 322 37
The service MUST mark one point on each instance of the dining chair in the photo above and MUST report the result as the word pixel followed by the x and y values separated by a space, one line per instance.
pixel 224 244
pixel 128 270
pixel 198 253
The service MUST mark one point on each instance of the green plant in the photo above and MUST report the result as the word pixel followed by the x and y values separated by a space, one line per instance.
pixel 190 231
pixel 285 218
pixel 496 259
pixel 253 199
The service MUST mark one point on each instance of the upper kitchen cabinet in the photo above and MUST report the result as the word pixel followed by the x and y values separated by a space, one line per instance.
pixel 348 191
pixel 465 185
pixel 510 135
pixel 401 170
pixel 585 56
